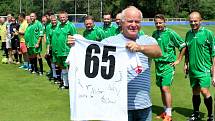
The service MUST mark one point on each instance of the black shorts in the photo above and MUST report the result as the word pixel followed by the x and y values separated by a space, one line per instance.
pixel 15 44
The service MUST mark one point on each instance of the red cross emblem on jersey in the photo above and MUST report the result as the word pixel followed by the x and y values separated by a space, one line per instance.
pixel 138 69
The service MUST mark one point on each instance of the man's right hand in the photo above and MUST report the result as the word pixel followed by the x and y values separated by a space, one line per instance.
pixel 186 70
pixel 70 40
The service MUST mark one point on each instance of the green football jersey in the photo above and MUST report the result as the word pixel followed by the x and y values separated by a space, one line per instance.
pixel 62 32
pixel 168 40
pixel 201 50
pixel 51 36
pixel 35 31
pixel 96 34
pixel 109 30
pixel 27 35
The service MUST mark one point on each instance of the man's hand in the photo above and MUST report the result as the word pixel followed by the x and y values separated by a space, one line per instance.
pixel 70 40
pixel 175 63
pixel 133 46
pixel 213 82
pixel 186 70
pixel 37 45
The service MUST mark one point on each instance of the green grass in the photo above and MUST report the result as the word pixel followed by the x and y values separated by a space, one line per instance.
pixel 27 97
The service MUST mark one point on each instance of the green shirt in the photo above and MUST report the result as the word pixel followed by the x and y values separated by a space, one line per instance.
pixel 27 35
pixel 62 32
pixel 168 40
pixel 51 36
pixel 109 30
pixel 201 50
pixel 35 31
pixel 96 34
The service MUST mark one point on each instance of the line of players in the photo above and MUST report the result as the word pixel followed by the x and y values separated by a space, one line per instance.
pixel 26 38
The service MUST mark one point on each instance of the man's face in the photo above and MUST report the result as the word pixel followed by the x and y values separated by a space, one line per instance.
pixel 44 20
pixel 195 22
pixel 33 17
pixel 159 24
pixel 118 20
pixel 48 17
pixel 63 18
pixel 107 19
pixel 54 21
pixel 89 24
pixel 28 19
pixel 9 17
pixel 20 18
pixel 131 24
pixel 13 20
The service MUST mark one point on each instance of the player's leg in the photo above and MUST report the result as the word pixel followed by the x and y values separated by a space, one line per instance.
pixel 23 51
pixel 48 60
pixel 40 63
pixel 159 77
pixel 34 61
pixel 53 65
pixel 9 50
pixel 39 57
pixel 65 73
pixel 166 92
pixel 165 78
pixel 167 98
pixel 205 83
pixel 196 99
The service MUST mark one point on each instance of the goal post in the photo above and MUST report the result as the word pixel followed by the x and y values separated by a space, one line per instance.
pixel 76 17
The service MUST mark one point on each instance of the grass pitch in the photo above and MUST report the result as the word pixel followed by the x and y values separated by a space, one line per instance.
pixel 29 97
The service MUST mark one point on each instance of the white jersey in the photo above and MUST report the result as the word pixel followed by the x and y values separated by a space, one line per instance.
pixel 98 81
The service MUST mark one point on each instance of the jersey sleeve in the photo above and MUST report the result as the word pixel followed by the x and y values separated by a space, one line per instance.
pixel 100 34
pixel 72 29
pixel 40 26
pixel 211 39
pixel 177 40
pixel 48 38
pixel 149 40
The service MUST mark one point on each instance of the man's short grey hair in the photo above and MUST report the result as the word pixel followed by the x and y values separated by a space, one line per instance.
pixel 53 16
pixel 130 8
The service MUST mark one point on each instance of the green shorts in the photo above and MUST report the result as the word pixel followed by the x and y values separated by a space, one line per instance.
pixel 164 74
pixel 61 61
pixel 204 81
pixel 33 50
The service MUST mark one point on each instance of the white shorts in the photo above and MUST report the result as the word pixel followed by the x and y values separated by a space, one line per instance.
pixel 8 41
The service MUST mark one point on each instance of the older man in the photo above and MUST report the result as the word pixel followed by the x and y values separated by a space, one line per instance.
pixel 64 29
pixel 139 103
pixel 200 64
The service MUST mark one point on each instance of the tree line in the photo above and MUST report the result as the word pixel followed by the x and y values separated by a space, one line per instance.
pixel 170 8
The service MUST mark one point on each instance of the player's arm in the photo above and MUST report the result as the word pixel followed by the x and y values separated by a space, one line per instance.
pixel 152 51
pixel 213 72
pixel 40 36
pixel 21 31
pixel 180 44
pixel 180 57
pixel 39 41
pixel 186 63
pixel 72 29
